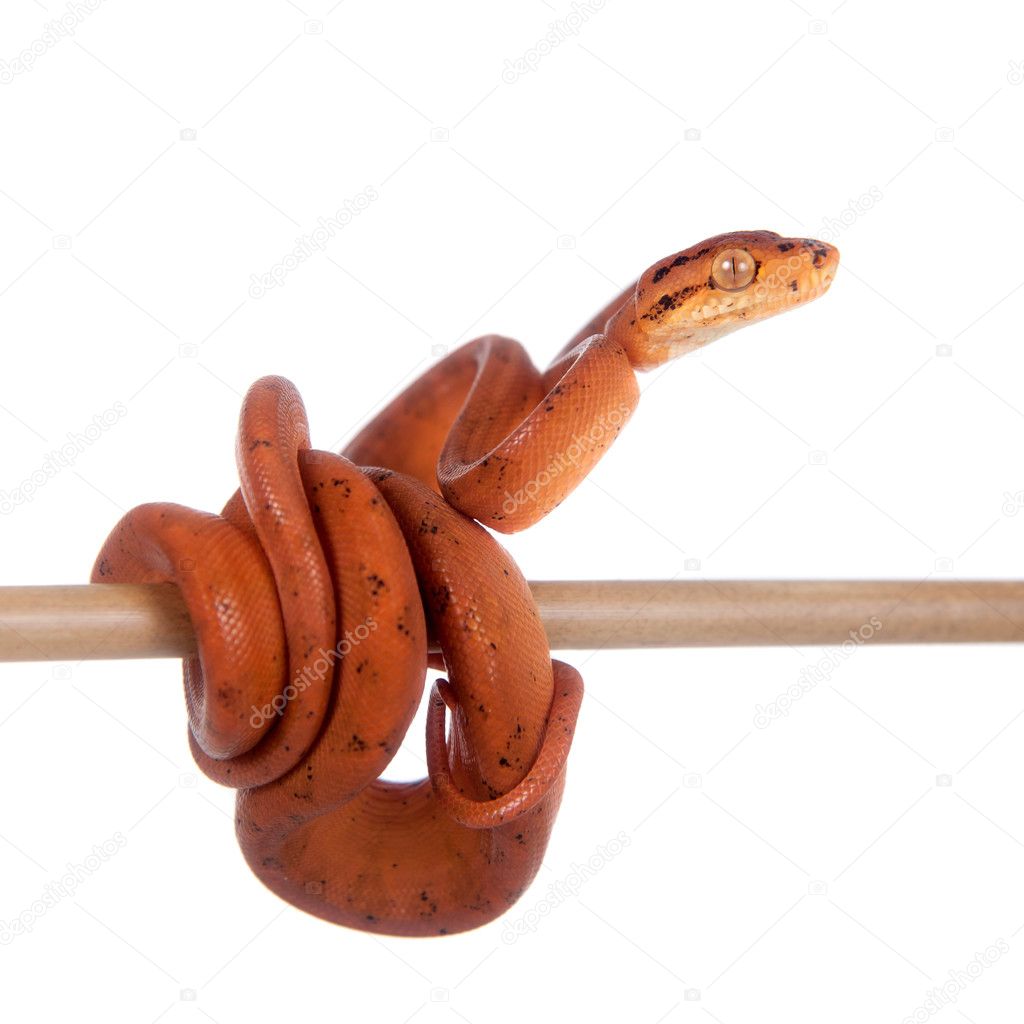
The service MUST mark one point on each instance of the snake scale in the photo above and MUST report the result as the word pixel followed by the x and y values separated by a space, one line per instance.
pixel 317 592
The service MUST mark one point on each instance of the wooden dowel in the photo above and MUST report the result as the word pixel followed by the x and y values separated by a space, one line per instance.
pixel 112 621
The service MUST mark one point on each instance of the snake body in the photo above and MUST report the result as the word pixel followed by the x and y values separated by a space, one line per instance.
pixel 317 591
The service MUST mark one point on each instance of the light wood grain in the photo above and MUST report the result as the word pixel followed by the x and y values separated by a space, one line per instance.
pixel 113 621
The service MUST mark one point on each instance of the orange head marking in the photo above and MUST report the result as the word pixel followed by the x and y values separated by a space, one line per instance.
pixel 717 286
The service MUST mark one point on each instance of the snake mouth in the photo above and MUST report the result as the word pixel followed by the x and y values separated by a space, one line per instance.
pixel 820 275
pixel 721 308
pixel 813 287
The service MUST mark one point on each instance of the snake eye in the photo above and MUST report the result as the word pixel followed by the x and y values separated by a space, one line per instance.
pixel 733 270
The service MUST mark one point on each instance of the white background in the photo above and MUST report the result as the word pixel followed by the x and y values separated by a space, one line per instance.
pixel 811 870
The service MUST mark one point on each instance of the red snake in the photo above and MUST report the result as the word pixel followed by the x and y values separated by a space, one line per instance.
pixel 316 592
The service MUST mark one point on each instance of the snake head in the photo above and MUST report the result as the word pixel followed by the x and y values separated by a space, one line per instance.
pixel 717 286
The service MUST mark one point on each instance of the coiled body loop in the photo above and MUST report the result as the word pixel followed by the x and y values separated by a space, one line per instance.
pixel 315 591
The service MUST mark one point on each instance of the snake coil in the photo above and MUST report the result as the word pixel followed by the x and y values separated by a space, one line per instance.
pixel 317 591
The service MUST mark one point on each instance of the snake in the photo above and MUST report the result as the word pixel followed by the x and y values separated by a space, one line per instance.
pixel 330 583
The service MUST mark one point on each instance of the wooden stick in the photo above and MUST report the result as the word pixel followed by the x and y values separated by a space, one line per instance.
pixel 76 623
